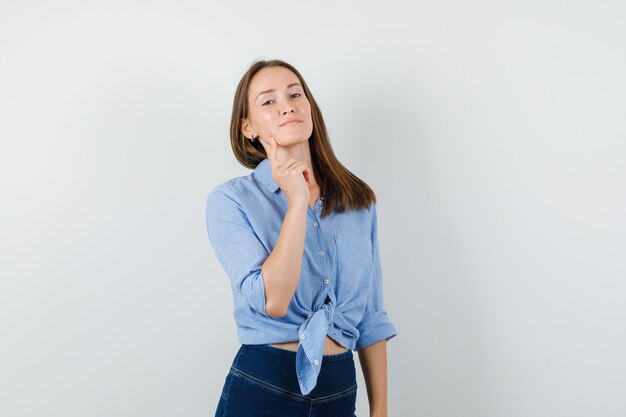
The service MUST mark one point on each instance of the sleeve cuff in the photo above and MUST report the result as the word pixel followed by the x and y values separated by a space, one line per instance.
pixel 255 293
pixel 375 327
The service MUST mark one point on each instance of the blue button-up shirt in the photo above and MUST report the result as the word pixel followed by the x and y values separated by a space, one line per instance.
pixel 339 293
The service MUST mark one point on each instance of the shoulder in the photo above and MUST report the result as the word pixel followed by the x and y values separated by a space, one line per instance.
pixel 223 204
pixel 372 208
pixel 369 213
pixel 233 190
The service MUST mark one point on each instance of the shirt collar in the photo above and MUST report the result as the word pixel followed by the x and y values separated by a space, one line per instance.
pixel 263 172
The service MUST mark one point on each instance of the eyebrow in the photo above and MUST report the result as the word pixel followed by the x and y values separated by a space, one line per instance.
pixel 270 90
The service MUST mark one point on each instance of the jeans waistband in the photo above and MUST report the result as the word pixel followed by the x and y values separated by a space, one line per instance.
pixel 277 366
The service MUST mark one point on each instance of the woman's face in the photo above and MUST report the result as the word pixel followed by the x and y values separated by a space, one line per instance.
pixel 278 107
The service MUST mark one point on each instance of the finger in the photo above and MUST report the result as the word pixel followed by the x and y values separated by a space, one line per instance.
pixel 307 177
pixel 297 167
pixel 272 153
pixel 289 164
pixel 304 170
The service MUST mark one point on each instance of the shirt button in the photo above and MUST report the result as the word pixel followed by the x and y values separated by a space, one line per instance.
pixel 321 203
pixel 321 253
pixel 316 362
pixel 315 224
pixel 326 280
pixel 302 336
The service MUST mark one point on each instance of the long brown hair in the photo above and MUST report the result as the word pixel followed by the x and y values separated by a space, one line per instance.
pixel 341 189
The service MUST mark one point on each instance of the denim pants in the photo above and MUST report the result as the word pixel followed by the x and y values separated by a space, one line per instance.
pixel 262 382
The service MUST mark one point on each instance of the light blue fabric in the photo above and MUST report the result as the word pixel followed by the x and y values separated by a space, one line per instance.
pixel 340 265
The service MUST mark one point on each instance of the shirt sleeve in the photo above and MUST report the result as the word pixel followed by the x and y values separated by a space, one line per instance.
pixel 375 325
pixel 237 247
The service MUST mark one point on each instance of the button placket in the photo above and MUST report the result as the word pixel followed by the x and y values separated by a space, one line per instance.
pixel 325 263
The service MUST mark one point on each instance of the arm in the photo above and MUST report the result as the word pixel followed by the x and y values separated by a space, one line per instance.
pixel 282 269
pixel 373 360
pixel 267 281
pixel 375 330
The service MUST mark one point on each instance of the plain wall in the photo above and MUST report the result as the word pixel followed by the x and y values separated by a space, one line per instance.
pixel 493 134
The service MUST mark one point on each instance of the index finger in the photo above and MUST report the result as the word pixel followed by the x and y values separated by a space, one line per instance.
pixel 272 155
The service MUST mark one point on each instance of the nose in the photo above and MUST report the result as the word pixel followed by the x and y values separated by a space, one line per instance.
pixel 288 108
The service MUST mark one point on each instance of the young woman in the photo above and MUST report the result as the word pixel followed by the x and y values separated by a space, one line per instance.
pixel 298 239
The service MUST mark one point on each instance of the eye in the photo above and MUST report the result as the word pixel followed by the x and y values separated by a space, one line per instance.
pixel 266 101
pixel 296 95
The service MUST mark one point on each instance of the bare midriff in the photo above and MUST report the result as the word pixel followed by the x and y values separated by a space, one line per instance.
pixel 331 347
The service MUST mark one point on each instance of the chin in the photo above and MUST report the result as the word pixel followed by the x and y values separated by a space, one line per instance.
pixel 293 139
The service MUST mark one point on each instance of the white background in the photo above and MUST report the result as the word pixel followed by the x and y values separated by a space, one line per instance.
pixel 492 132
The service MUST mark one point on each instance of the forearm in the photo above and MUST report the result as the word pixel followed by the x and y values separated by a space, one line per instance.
pixel 281 270
pixel 373 360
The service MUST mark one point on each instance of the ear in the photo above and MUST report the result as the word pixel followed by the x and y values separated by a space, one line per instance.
pixel 246 128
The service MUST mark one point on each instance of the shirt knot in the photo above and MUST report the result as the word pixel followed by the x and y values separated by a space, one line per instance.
pixel 330 312
pixel 310 353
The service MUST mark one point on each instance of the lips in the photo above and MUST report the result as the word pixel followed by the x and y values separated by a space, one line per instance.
pixel 291 122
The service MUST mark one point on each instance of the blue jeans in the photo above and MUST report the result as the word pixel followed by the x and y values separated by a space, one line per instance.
pixel 262 382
